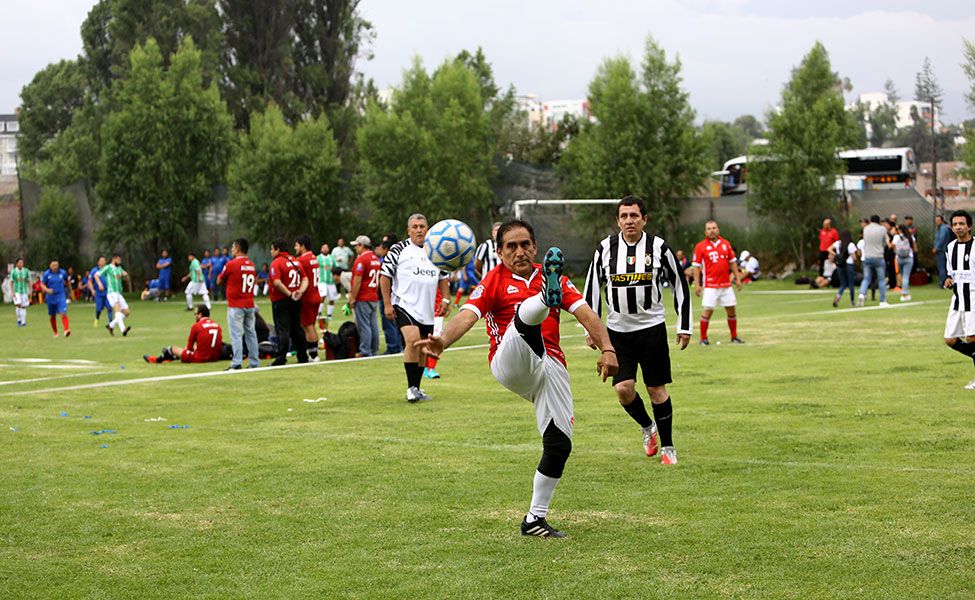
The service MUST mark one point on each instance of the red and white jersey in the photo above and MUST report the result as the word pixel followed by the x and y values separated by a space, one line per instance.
pixel 206 340
pixel 714 259
pixel 497 298
pixel 284 268
pixel 309 269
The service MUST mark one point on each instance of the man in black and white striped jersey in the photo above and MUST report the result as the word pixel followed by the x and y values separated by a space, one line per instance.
pixel 960 324
pixel 486 255
pixel 632 266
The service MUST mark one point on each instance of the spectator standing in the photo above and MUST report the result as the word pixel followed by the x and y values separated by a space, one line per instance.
pixel 874 245
pixel 262 280
pixel 216 265
pixel 343 256
pixel 364 295
pixel 891 226
pixel 308 293
pixel 827 237
pixel 240 277
pixel 206 264
pixel 843 254
pixel 942 235
pixel 904 246
pixel 285 307
pixel 165 267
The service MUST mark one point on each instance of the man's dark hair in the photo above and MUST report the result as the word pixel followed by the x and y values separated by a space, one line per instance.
pixel 304 240
pixel 906 217
pixel 512 224
pixel 242 244
pixel 875 218
pixel 964 214
pixel 203 310
pixel 632 201
pixel 279 244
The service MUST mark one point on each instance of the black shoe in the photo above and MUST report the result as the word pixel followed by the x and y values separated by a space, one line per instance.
pixel 110 330
pixel 737 341
pixel 127 330
pixel 279 362
pixel 704 342
pixel 188 308
pixel 540 528
pixel 233 368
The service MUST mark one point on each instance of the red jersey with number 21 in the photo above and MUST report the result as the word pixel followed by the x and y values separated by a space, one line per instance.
pixel 284 268
pixel 714 259
pixel 501 291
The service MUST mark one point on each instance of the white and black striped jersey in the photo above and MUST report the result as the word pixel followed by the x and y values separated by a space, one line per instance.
pixel 633 275
pixel 487 254
pixel 961 270
pixel 415 280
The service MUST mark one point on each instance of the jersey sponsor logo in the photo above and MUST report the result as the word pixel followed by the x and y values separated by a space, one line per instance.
pixel 632 278
pixel 426 272
pixel 477 293
pixel 512 289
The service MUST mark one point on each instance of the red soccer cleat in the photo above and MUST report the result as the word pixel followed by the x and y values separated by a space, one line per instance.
pixel 650 439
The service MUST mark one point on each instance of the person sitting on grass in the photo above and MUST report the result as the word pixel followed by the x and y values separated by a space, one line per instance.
pixel 205 343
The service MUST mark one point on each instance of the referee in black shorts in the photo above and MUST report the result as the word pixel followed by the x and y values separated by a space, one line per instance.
pixel 632 267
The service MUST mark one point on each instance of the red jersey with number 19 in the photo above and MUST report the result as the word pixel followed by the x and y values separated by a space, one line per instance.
pixel 309 268
pixel 240 276
pixel 714 259
pixel 284 268
pixel 498 295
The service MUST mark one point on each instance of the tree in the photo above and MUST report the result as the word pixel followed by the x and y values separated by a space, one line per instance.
pixel 968 148
pixel 751 126
pixel 791 180
pixel 55 229
pixel 284 180
pixel 164 146
pixel 643 140
pixel 431 151
pixel 724 141
pixel 926 86
pixel 48 103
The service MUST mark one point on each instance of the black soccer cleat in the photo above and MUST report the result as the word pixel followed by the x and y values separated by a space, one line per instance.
pixel 552 272
pixel 110 330
pixel 127 330
pixel 540 528
pixel 704 342
pixel 736 340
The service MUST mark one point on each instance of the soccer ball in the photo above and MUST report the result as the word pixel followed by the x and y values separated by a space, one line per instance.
pixel 450 244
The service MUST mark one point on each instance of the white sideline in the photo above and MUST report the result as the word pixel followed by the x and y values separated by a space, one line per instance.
pixel 837 311
pixel 35 379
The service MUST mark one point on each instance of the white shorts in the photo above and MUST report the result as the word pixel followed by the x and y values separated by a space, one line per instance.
pixel 196 288
pixel 543 381
pixel 715 296
pixel 21 300
pixel 117 300
pixel 959 324
pixel 328 291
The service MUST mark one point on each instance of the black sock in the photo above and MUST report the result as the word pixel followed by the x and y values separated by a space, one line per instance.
pixel 965 348
pixel 412 377
pixel 638 411
pixel 312 349
pixel 664 413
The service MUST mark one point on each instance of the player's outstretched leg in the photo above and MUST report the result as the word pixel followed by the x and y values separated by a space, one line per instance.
pixel 556 447
pixel 552 271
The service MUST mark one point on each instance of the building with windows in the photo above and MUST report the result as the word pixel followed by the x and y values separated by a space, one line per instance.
pixel 9 130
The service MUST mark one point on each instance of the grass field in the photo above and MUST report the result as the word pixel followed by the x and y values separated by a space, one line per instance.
pixel 832 456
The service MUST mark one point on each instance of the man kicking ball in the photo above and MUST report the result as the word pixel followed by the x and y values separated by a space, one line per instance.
pixel 521 302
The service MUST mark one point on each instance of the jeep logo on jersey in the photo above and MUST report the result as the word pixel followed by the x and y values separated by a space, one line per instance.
pixel 426 272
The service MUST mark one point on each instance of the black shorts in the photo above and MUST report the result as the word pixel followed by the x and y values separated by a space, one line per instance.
pixel 405 319
pixel 646 348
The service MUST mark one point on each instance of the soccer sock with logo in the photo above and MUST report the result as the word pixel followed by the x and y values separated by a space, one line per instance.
pixel 638 411
pixel 704 327
pixel 54 324
pixel 65 322
pixel 664 414
pixel 733 326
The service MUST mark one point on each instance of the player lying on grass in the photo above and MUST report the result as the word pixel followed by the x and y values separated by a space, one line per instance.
pixel 521 302
pixel 205 343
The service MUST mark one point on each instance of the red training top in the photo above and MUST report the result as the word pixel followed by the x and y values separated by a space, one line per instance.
pixel 284 268
pixel 500 292
pixel 205 342
pixel 828 238
pixel 239 276
pixel 309 268
pixel 367 266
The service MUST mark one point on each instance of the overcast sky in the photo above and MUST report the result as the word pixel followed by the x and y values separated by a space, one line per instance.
pixel 736 54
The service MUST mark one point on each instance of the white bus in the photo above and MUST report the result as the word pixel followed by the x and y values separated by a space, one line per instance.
pixel 878 168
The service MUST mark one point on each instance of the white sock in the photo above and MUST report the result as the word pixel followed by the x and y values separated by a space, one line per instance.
pixel 533 310
pixel 189 301
pixel 119 320
pixel 542 490
pixel 206 300
pixel 328 313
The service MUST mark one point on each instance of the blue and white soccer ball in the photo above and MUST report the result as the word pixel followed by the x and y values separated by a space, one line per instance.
pixel 450 244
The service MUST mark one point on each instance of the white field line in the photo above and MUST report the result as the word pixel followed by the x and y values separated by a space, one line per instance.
pixel 35 379
pixel 866 308
pixel 239 372
pixel 790 292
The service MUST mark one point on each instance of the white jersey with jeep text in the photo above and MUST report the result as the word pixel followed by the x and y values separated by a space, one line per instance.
pixel 414 280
